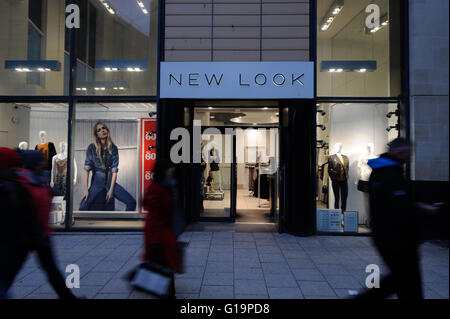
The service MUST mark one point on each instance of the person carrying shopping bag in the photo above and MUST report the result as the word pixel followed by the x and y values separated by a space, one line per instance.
pixel 160 238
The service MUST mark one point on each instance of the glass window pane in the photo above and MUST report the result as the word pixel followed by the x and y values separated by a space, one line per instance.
pixel 32 37
pixel 117 42
pixel 358 52
pixel 41 126
pixel 348 135
pixel 114 148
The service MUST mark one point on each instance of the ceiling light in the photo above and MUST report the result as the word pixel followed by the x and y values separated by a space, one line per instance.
pixel 332 70
pixel 108 69
pixel 331 14
pixel 130 69
pixel 137 70
pixel 339 70
pixel 108 7
pixel 362 70
pixel 142 6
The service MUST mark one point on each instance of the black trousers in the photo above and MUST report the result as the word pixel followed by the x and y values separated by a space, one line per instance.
pixel 340 191
pixel 16 258
pixel 405 277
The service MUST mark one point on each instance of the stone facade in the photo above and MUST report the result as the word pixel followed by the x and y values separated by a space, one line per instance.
pixel 429 101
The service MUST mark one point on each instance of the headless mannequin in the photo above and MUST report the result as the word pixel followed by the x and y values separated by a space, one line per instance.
pixel 363 169
pixel 23 146
pixel 364 172
pixel 57 159
pixel 43 137
pixel 338 172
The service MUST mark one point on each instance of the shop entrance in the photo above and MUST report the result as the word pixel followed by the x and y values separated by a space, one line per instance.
pixel 239 170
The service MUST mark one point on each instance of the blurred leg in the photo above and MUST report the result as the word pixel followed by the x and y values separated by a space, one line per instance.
pixel 57 281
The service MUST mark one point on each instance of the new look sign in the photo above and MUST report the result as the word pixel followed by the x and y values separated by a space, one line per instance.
pixel 237 80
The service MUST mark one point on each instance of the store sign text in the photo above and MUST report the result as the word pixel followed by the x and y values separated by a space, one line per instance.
pixel 260 79
pixel 237 80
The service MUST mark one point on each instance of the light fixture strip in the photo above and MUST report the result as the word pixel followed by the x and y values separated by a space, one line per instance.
pixel 332 12
pixel 108 7
pixel 142 6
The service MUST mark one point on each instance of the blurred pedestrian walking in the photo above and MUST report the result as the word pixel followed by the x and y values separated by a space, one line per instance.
pixel 31 176
pixel 161 201
pixel 394 224
pixel 17 219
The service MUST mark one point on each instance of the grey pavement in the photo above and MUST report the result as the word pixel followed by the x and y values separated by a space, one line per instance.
pixel 230 265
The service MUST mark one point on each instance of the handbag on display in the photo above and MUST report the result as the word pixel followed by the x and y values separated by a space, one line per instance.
pixel 152 278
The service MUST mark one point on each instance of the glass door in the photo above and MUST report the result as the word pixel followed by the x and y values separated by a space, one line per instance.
pixel 218 175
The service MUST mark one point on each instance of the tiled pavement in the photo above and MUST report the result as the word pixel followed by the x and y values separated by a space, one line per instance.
pixel 230 265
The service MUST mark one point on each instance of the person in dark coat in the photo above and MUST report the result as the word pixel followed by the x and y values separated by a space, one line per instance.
pixel 394 224
pixel 160 244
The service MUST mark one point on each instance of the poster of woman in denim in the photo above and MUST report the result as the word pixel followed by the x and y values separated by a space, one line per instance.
pixel 102 159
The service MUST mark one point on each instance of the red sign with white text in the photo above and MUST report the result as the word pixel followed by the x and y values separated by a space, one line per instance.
pixel 148 154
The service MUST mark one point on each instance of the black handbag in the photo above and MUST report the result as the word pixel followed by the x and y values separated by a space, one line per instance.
pixel 363 186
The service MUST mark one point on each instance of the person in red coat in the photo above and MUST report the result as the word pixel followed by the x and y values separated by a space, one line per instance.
pixel 40 197
pixel 160 244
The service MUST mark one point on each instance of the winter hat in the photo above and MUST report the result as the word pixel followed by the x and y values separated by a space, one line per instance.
pixel 31 158
pixel 9 158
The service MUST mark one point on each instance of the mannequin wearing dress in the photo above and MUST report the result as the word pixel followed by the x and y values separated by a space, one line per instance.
pixel 59 171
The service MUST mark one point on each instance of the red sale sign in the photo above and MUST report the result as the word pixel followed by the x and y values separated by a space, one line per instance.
pixel 148 155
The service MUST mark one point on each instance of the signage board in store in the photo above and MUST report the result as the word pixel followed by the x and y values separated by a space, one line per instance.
pixel 236 80
pixel 148 154
pixel 328 220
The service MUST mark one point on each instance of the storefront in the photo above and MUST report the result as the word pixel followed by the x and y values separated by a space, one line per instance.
pixel 272 91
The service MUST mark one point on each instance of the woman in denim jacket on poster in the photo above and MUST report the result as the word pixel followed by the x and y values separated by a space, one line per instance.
pixel 102 158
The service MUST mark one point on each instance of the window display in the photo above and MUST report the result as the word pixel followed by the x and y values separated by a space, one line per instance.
pixel 357 132
pixel 109 146
pixel 40 125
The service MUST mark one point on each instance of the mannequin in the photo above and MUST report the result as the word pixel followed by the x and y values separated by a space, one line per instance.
pixel 23 146
pixel 59 171
pixel 338 165
pixel 48 148
pixel 214 160
pixel 364 170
